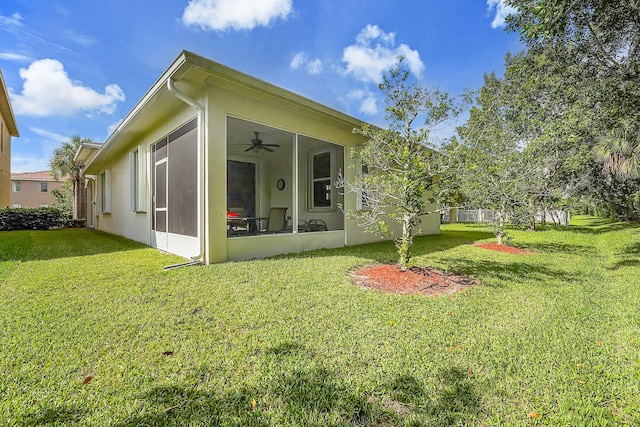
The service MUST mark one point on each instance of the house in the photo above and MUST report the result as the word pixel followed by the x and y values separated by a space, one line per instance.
pixel 215 165
pixel 34 189
pixel 85 200
pixel 8 128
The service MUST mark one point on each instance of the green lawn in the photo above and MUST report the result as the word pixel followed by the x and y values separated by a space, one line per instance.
pixel 548 339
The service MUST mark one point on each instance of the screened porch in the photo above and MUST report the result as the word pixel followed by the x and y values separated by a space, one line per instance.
pixel 280 183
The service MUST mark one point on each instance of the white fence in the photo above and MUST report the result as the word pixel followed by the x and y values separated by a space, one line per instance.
pixel 486 215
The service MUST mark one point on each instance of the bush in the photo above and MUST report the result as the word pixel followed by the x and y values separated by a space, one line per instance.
pixel 76 223
pixel 31 219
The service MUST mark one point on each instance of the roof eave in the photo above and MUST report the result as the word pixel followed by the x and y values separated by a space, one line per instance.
pixel 5 108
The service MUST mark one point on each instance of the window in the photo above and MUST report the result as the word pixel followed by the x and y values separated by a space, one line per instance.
pixel 138 183
pixel 43 187
pixel 104 188
pixel 320 181
pixel 15 186
pixel 44 205
pixel 16 205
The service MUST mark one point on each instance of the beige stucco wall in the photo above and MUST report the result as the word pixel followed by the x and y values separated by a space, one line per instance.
pixel 5 164
pixel 122 219
pixel 30 195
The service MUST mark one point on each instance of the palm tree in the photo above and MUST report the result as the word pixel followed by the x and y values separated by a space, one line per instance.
pixel 62 164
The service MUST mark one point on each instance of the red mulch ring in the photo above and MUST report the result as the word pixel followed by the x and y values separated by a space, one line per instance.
pixel 388 278
pixel 503 248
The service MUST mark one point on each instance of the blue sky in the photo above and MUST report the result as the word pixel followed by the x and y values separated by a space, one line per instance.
pixel 77 67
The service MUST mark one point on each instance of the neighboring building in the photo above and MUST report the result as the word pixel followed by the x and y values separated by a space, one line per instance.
pixel 8 128
pixel 33 189
pixel 209 153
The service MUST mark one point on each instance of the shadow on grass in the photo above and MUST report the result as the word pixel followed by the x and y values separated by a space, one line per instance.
pixel 455 401
pixel 564 248
pixel 61 415
pixel 37 245
pixel 511 272
pixel 607 227
pixel 629 257
pixel 385 251
pixel 310 395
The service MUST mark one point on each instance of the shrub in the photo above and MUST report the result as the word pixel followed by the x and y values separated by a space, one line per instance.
pixel 31 218
pixel 75 223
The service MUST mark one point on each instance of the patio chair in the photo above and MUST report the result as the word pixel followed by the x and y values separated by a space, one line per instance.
pixel 276 222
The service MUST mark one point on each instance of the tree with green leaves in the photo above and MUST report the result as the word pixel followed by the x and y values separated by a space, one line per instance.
pixel 601 39
pixel 496 171
pixel 399 167
pixel 62 165
pixel 597 41
pixel 64 199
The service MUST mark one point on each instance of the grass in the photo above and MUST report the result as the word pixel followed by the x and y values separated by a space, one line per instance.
pixel 549 339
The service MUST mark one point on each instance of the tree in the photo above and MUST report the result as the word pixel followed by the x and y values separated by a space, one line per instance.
pixel 598 40
pixel 496 171
pixel 62 164
pixel 399 166
pixel 64 199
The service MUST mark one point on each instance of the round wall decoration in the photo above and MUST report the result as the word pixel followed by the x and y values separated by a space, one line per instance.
pixel 280 184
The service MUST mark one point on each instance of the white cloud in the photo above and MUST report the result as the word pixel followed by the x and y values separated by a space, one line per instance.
pixel 300 60
pixel 39 153
pixel 21 164
pixel 81 39
pixel 502 10
pixel 47 91
pixel 368 101
pixel 222 15
pixel 52 136
pixel 375 52
pixel 314 67
pixel 369 106
pixel 112 128
pixel 15 19
pixel 9 56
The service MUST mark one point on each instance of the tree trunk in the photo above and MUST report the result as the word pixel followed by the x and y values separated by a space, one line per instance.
pixel 500 229
pixel 532 216
pixel 74 202
pixel 404 244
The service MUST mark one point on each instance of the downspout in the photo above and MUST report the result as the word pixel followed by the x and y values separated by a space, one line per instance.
pixel 201 165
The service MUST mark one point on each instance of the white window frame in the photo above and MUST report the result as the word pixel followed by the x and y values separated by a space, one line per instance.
pixel 15 186
pixel 104 187
pixel 16 205
pixel 138 180
pixel 46 187
pixel 311 180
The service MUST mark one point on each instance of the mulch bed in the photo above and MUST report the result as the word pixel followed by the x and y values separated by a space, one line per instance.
pixel 388 278
pixel 503 248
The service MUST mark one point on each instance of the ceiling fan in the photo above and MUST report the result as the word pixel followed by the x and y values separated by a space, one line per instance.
pixel 257 145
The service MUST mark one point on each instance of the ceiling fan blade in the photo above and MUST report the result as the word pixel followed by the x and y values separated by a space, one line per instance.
pixel 270 145
pixel 249 149
pixel 264 147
